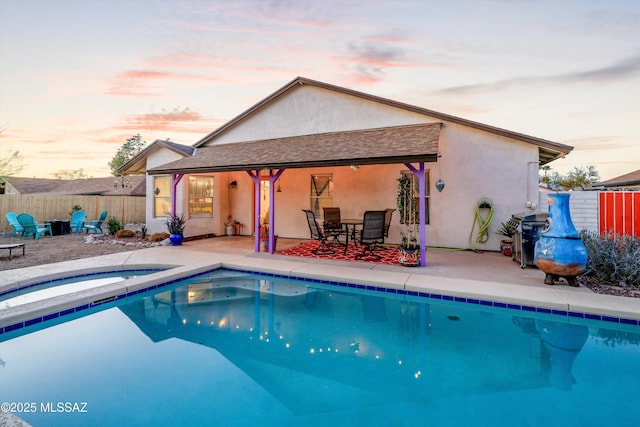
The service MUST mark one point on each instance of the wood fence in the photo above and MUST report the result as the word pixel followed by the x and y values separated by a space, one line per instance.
pixel 127 209
pixel 620 212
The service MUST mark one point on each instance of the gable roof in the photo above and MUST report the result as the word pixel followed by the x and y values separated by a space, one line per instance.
pixel 109 186
pixel 137 164
pixel 548 150
pixel 395 144
pixel 629 179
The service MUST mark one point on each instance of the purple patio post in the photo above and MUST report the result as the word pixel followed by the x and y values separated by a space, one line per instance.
pixel 256 181
pixel 175 180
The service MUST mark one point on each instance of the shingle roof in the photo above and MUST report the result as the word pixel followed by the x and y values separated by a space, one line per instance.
pixel 631 178
pixel 395 144
pixel 138 164
pixel 110 186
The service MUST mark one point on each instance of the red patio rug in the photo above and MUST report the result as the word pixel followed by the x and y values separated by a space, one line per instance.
pixel 389 254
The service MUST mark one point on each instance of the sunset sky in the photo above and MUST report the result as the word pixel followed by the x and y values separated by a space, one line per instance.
pixel 79 77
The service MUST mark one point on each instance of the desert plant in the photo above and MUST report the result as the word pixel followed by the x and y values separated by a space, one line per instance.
pixel 143 232
pixel 75 208
pixel 176 223
pixel 124 233
pixel 113 224
pixel 158 237
pixel 507 230
pixel 407 205
pixel 613 258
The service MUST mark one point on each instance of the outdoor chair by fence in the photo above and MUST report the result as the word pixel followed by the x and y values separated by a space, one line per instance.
pixel 372 233
pixel 95 225
pixel 317 234
pixel 31 227
pixel 77 221
pixel 332 225
pixel 12 219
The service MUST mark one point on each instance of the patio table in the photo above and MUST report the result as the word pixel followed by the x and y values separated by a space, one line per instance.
pixel 350 225
pixel 11 247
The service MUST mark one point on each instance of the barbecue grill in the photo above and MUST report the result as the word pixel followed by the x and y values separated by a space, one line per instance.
pixel 529 229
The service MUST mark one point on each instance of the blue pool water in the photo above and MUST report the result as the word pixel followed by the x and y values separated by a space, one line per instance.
pixel 236 349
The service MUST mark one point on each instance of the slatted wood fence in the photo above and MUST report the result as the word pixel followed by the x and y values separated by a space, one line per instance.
pixel 127 209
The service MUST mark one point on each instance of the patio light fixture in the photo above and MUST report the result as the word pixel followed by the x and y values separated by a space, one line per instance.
pixel 440 185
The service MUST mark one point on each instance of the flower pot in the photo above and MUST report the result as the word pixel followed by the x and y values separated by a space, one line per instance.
pixel 176 239
pixel 409 257
pixel 265 243
pixel 228 230
pixel 506 246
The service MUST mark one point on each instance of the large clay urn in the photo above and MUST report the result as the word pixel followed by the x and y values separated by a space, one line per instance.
pixel 560 251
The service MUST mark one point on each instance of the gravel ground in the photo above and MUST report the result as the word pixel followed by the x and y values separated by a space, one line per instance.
pixel 47 250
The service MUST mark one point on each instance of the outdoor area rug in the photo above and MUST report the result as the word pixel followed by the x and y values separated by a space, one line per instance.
pixel 389 254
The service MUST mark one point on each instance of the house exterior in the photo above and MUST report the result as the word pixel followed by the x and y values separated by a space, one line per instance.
pixel 311 144
pixel 628 181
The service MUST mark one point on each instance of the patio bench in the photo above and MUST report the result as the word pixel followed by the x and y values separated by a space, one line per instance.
pixel 11 247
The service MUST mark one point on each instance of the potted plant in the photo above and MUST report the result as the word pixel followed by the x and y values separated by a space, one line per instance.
pixel 407 205
pixel 506 245
pixel 175 225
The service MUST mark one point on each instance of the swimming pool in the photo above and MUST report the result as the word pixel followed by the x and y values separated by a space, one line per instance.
pixel 233 348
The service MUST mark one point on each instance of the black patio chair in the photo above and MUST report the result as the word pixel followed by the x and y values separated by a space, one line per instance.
pixel 317 234
pixel 332 225
pixel 372 233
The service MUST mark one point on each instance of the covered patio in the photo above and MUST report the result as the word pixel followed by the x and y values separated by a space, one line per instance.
pixel 411 145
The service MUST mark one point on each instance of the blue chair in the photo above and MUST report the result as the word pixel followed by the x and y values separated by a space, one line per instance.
pixel 31 227
pixel 77 221
pixel 95 225
pixel 12 219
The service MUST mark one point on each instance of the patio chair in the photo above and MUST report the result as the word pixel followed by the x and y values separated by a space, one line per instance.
pixel 12 219
pixel 77 221
pixel 372 233
pixel 332 225
pixel 96 224
pixel 317 234
pixel 31 227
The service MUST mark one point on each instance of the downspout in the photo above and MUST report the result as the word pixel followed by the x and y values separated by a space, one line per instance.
pixel 421 174
pixel 175 180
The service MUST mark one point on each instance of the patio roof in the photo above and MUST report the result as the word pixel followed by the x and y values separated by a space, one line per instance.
pixel 397 144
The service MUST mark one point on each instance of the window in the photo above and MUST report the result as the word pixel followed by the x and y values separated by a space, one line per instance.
pixel 200 196
pixel 413 183
pixel 321 193
pixel 161 196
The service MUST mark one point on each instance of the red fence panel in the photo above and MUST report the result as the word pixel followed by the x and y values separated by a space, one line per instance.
pixel 620 212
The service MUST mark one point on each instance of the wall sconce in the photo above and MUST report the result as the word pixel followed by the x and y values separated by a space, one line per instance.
pixel 440 185
pixel 354 167
pixel 233 184
pixel 156 191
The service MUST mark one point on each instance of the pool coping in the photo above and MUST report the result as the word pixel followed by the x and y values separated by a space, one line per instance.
pixel 551 301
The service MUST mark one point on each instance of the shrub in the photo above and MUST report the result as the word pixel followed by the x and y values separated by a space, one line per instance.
pixel 158 237
pixel 143 232
pixel 613 258
pixel 124 233
pixel 114 225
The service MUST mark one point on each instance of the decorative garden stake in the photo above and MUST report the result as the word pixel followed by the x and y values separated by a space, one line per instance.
pixel 560 251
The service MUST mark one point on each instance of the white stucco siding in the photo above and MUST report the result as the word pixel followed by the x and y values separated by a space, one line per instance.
pixel 310 110
pixel 476 165
pixel 155 158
